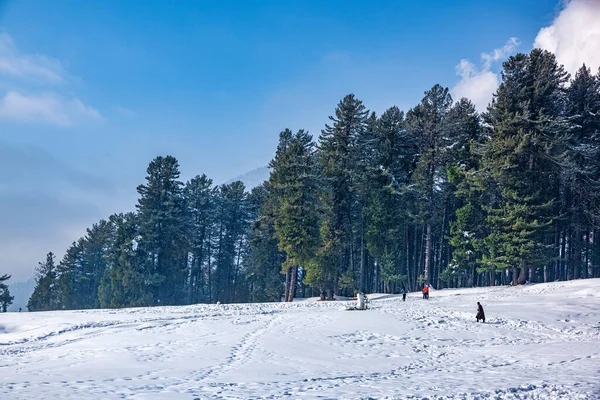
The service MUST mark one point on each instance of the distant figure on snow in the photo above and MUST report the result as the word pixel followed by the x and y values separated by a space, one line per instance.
pixel 426 291
pixel 403 293
pixel 480 314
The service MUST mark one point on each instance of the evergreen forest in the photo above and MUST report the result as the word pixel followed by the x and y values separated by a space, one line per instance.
pixel 438 194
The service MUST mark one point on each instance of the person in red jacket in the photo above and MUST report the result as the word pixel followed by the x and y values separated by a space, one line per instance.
pixel 426 292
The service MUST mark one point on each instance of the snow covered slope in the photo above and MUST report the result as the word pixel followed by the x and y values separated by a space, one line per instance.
pixel 539 342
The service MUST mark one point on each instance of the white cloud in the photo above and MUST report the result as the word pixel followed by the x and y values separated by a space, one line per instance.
pixel 477 86
pixel 574 36
pixel 500 54
pixel 479 83
pixel 49 108
pixel 47 99
pixel 29 67
pixel 82 110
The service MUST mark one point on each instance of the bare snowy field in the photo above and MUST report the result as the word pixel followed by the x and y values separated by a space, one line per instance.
pixel 540 342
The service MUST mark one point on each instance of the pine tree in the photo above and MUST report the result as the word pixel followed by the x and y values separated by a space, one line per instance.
pixel 385 212
pixel 45 296
pixel 162 230
pixel 265 259
pixel 5 298
pixel 230 240
pixel 466 195
pixel 581 175
pixel 200 200
pixel 523 155
pixel 337 156
pixel 427 125
pixel 296 222
pixel 97 241
pixel 124 282
pixel 71 277
pixel 365 171
pixel 80 271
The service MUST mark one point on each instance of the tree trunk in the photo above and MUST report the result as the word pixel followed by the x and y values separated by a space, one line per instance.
pixel 287 285
pixel 554 272
pixel 577 254
pixel 426 272
pixel 376 275
pixel 563 256
pixel 570 263
pixel 192 283
pixel 209 273
pixel 340 270
pixel 419 238
pixel 587 254
pixel 415 268
pixel 595 243
pixel 237 269
pixel 361 279
pixel 407 258
pixel 293 280
pixel 522 276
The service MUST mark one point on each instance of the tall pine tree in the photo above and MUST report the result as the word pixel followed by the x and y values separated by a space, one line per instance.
pixel 337 161
pixel 297 216
pixel 162 230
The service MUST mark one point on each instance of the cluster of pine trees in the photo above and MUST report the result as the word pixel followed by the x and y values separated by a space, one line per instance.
pixel 186 243
pixel 440 194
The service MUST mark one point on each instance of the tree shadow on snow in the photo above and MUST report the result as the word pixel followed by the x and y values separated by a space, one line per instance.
pixel 385 296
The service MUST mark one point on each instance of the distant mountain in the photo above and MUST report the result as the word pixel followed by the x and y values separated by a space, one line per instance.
pixel 21 291
pixel 253 178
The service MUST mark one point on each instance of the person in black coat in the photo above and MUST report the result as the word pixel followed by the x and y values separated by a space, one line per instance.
pixel 480 314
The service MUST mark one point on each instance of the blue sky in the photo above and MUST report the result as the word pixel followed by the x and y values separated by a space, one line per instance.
pixel 91 91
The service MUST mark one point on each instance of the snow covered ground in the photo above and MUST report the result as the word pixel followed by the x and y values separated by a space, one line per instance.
pixel 539 342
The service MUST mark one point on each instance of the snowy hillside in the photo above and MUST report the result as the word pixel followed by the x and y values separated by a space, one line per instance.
pixel 539 342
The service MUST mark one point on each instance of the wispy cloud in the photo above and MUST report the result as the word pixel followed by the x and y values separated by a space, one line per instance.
pixel 45 108
pixel 38 89
pixel 479 83
pixel 500 54
pixel 127 112
pixel 574 36
pixel 29 67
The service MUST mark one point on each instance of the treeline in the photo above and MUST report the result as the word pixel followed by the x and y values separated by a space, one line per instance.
pixel 439 194
pixel 187 243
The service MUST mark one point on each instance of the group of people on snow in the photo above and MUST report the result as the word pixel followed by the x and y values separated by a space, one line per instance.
pixel 480 313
